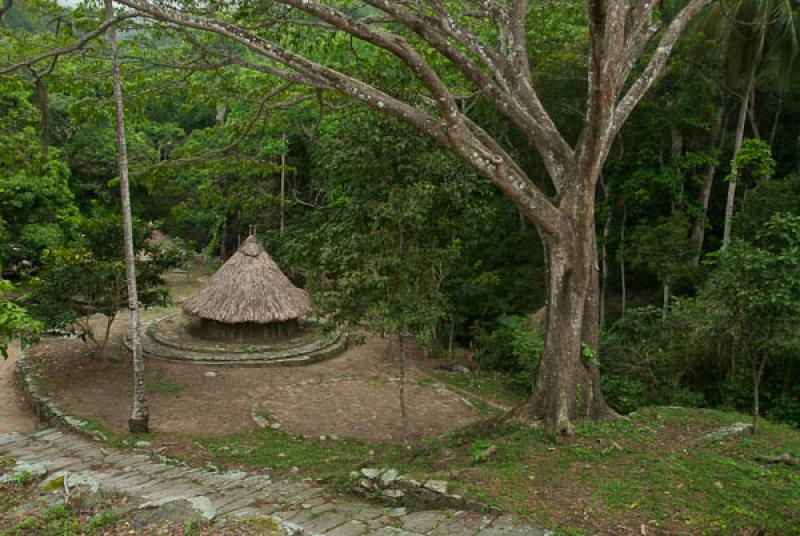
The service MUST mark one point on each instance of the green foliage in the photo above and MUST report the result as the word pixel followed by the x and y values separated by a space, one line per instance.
pixel 399 213
pixel 664 248
pixel 753 162
pixel 605 464
pixel 36 205
pixel 15 322
pixel 709 349
pixel 88 277
pixel 768 197
pixel 753 296
pixel 513 347
pixel 755 286
pixel 646 360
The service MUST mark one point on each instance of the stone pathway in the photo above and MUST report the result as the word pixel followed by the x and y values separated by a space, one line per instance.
pixel 300 508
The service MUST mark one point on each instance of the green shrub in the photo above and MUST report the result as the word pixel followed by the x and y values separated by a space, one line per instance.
pixel 645 361
pixel 511 346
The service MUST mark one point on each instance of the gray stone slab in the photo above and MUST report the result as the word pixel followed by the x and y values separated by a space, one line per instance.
pixel 169 490
pixel 49 434
pixel 461 524
pixel 351 528
pixel 392 531
pixel 238 504
pixel 12 438
pixel 423 521
pixel 322 523
pixel 247 511
pixel 154 469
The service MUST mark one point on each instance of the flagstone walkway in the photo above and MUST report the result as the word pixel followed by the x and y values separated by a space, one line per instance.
pixel 300 508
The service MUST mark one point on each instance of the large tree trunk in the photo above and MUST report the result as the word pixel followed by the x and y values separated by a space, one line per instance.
pixel 140 415
pixel 567 383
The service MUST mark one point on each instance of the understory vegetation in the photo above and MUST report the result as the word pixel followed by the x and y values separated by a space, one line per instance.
pixel 655 468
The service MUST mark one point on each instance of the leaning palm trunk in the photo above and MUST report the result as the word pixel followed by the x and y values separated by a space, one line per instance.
pixel 743 106
pixel 140 415
pixel 731 200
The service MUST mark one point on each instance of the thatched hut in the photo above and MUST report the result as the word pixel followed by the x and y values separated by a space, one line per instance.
pixel 249 299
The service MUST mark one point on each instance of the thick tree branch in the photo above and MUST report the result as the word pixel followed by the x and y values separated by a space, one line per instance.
pixel 305 70
pixel 606 44
pixel 392 43
pixel 455 136
pixel 77 45
pixel 4 8
pixel 657 63
pixel 516 99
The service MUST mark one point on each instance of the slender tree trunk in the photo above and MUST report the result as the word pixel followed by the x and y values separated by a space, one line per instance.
pixel 665 307
pixel 101 350
pixel 604 258
pixel 403 412
pixel 757 375
pixel 744 105
pixel 675 154
pixel 43 103
pixel 451 337
pixel 775 122
pixel 752 114
pixel 223 239
pixel 729 205
pixel 140 415
pixel 699 226
pixel 623 283
pixel 283 185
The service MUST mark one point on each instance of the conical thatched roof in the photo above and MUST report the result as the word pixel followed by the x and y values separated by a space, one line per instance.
pixel 249 287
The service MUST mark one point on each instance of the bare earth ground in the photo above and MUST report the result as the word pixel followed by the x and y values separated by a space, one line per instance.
pixel 14 416
pixel 351 395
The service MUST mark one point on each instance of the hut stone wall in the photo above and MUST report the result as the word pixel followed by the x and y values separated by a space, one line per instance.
pixel 247 332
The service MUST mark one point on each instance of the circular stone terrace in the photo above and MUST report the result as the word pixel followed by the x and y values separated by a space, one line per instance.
pixel 174 337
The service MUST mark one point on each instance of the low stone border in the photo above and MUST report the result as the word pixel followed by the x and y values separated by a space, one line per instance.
pixel 318 349
pixel 46 408
pixel 389 485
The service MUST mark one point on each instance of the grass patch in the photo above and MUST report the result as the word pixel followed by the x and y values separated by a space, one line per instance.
pixel 652 469
pixel 76 518
pixel 489 386
pixel 165 387
pixel 6 462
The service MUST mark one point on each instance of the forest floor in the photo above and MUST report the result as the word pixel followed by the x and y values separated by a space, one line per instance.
pixel 354 395
pixel 653 472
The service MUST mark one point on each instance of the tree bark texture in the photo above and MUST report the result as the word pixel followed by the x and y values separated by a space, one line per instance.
pixel 140 414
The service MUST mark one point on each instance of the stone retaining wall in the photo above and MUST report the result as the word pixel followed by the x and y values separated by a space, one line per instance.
pixel 45 407
pixel 390 486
